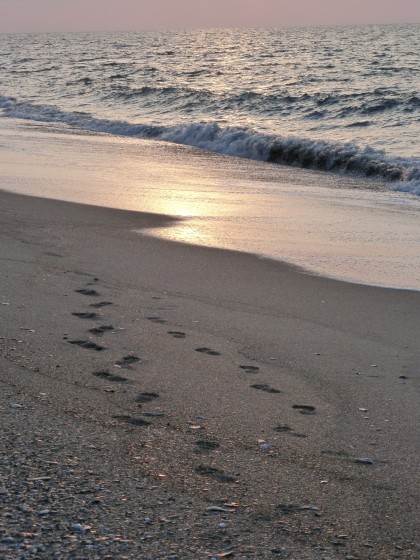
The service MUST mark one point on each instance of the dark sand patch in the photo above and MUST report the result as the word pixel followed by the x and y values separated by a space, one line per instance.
pixel 100 304
pixel 87 292
pixel 156 319
pixel 215 474
pixel 305 408
pixel 207 445
pixel 208 351
pixel 127 361
pixel 250 369
pixel 109 376
pixel 146 397
pixel 132 420
pixel 266 388
pixel 284 429
pixel 87 315
pixel 51 254
pixel 177 334
pixel 88 344
pixel 102 329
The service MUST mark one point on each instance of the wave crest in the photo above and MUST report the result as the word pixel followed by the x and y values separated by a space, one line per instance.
pixel 346 158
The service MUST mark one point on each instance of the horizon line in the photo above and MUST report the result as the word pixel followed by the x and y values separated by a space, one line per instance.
pixel 184 29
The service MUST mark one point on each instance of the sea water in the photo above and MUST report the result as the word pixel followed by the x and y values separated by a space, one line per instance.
pixel 342 102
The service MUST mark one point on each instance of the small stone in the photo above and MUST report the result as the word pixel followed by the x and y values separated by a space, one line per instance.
pixel 80 528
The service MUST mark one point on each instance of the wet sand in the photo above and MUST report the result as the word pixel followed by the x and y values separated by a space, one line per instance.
pixel 161 400
pixel 334 225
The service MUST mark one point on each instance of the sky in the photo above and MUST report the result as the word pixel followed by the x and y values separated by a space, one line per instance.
pixel 119 15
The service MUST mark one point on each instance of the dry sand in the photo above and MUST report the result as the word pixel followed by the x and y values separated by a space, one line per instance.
pixel 220 380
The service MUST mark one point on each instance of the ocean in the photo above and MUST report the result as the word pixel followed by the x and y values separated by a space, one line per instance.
pixel 335 108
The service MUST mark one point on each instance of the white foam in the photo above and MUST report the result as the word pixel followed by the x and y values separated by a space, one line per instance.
pixel 403 174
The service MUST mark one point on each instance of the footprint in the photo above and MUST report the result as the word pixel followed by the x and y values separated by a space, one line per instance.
pixel 207 445
pixel 102 329
pixel 288 430
pixel 156 319
pixel 285 509
pixel 100 304
pixel 109 376
pixel 250 369
pixel 132 420
pixel 87 292
pixel 87 344
pixel 86 315
pixel 146 397
pixel 127 361
pixel 332 453
pixel 177 334
pixel 283 428
pixel 214 473
pixel 208 351
pixel 264 387
pixel 305 408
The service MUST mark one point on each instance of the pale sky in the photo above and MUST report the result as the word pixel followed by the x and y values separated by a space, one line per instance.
pixel 98 15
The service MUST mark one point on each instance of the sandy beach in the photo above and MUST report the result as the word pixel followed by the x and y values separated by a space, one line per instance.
pixel 160 400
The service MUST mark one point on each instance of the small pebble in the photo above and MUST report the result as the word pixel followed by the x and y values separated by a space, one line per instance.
pixel 79 528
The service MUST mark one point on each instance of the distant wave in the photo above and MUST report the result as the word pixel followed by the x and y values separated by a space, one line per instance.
pixel 346 158
pixel 314 105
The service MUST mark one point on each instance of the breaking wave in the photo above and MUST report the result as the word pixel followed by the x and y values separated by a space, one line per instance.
pixel 346 158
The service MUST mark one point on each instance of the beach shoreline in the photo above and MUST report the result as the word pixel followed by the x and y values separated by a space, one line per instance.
pixel 322 222
pixel 163 400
